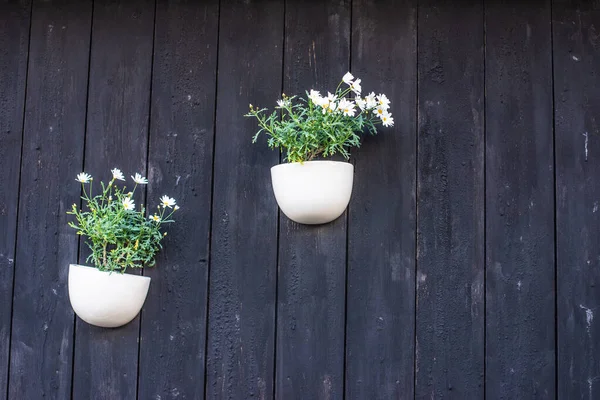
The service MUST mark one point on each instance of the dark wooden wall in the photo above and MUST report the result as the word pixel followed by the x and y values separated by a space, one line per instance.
pixel 467 265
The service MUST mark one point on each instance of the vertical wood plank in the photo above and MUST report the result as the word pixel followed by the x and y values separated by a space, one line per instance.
pixel 312 259
pixel 106 360
pixel 172 358
pixel 450 245
pixel 244 230
pixel 576 81
pixel 42 327
pixel 381 225
pixel 520 298
pixel 14 43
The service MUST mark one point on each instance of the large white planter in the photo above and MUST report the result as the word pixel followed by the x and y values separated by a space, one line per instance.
pixel 106 299
pixel 313 192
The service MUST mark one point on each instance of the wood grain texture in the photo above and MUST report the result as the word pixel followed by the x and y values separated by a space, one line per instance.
pixel 450 225
pixel 172 358
pixel 241 324
pixel 520 298
pixel 312 259
pixel 106 360
pixel 14 43
pixel 42 327
pixel 382 212
pixel 576 81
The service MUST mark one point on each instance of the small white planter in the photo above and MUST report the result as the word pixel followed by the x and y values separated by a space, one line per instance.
pixel 106 299
pixel 313 192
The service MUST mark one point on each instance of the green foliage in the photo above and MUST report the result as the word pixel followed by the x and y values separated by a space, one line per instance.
pixel 118 235
pixel 322 125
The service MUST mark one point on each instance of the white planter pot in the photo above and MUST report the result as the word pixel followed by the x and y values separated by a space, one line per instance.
pixel 106 299
pixel 313 192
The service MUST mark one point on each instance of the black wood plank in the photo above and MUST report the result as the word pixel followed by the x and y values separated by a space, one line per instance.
pixel 42 327
pixel 450 193
pixel 312 259
pixel 241 324
pixel 381 225
pixel 577 100
pixel 14 42
pixel 520 299
pixel 106 360
pixel 172 349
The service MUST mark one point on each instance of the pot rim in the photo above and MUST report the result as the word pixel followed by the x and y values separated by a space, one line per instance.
pixel 322 162
pixel 116 273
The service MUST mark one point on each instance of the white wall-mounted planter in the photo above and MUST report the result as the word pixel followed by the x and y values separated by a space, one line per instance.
pixel 313 192
pixel 106 299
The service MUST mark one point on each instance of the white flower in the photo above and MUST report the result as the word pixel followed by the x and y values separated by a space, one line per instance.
pixel 383 101
pixel 117 174
pixel 128 204
pixel 167 201
pixel 361 103
pixel 154 218
pixel 380 111
pixel 83 177
pixel 355 86
pixel 348 78
pixel 387 119
pixel 328 103
pixel 176 208
pixel 347 107
pixel 371 101
pixel 140 180
pixel 282 103
pixel 315 97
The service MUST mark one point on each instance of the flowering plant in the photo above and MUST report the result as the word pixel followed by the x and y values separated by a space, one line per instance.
pixel 323 125
pixel 120 236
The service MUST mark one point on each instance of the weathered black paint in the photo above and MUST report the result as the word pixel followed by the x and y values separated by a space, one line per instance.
pixel 106 360
pixel 450 193
pixel 312 259
pixel 42 324
pixel 381 224
pixel 520 298
pixel 456 202
pixel 577 100
pixel 180 164
pixel 14 42
pixel 242 277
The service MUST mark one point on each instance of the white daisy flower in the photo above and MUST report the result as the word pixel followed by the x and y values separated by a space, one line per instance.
pixel 167 201
pixel 355 86
pixel 282 103
pixel 380 111
pixel 328 103
pixel 83 177
pixel 128 204
pixel 117 174
pixel 176 208
pixel 154 218
pixel 140 180
pixel 371 101
pixel 347 108
pixel 315 97
pixel 387 120
pixel 348 77
pixel 383 101
pixel 361 103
